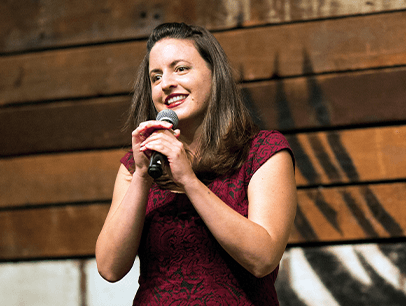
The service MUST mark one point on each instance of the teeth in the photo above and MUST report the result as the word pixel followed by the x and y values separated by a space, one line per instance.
pixel 177 98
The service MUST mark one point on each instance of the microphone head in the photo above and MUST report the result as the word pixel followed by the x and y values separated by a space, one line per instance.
pixel 169 116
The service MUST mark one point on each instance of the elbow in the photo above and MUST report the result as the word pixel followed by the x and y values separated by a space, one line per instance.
pixel 260 274
pixel 107 272
pixel 263 270
pixel 110 279
pixel 109 276
pixel 263 266
pixel 108 268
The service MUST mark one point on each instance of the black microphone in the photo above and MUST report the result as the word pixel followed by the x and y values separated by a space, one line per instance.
pixel 157 159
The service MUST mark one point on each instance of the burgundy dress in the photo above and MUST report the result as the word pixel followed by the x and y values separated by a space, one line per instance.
pixel 181 263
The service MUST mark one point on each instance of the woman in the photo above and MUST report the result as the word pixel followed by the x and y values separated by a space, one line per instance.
pixel 213 229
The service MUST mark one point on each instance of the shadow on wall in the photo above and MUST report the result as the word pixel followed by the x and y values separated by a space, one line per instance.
pixel 366 274
pixel 319 104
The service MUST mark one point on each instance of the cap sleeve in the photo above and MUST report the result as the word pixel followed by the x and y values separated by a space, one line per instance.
pixel 264 146
pixel 128 161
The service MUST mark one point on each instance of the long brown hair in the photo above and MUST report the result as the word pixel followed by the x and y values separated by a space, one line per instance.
pixel 227 129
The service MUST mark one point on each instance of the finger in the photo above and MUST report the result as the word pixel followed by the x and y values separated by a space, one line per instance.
pixel 164 144
pixel 148 127
pixel 160 137
pixel 176 133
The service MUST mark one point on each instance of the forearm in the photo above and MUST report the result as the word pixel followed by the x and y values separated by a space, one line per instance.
pixel 118 242
pixel 246 241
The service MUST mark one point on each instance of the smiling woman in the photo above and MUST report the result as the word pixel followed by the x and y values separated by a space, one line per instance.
pixel 214 227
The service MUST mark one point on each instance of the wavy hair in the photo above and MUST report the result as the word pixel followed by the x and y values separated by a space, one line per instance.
pixel 227 129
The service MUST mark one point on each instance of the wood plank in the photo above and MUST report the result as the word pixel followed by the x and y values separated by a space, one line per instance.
pixel 58 178
pixel 333 100
pixel 297 103
pixel 47 24
pixel 317 47
pixel 63 74
pixel 261 12
pixel 64 126
pixel 350 156
pixel 51 232
pixel 291 50
pixel 350 213
pixel 329 214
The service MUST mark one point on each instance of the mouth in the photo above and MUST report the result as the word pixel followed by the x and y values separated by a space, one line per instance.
pixel 173 100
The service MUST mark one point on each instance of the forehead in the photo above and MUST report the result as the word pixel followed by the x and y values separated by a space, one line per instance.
pixel 168 50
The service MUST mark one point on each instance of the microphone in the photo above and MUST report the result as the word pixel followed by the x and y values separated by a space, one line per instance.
pixel 158 159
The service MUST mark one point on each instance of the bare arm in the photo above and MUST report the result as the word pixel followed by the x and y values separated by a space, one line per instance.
pixel 256 242
pixel 119 239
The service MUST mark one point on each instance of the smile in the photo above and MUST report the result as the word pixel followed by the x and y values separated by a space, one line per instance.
pixel 174 99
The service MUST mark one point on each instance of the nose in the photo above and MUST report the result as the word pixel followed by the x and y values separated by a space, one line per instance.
pixel 168 81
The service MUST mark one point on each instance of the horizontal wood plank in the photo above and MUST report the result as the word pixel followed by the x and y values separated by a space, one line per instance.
pixel 51 232
pixel 64 126
pixel 79 72
pixel 323 158
pixel 307 102
pixel 317 47
pixel 350 213
pixel 333 100
pixel 349 156
pixel 324 215
pixel 58 178
pixel 47 24
pixel 286 50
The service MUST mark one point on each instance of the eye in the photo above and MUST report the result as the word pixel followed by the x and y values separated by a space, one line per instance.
pixel 155 78
pixel 182 69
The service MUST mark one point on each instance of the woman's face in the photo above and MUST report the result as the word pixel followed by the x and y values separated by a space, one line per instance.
pixel 180 79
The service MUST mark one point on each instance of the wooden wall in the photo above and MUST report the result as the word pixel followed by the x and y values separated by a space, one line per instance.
pixel 331 75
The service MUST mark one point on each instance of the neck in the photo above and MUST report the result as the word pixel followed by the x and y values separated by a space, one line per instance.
pixel 190 136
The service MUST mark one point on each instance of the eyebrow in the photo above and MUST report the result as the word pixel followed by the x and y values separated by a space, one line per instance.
pixel 174 63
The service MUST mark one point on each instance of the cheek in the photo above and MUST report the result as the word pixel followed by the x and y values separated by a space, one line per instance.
pixel 155 95
pixel 207 90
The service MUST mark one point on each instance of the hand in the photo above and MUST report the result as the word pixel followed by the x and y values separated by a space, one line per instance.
pixel 140 134
pixel 166 142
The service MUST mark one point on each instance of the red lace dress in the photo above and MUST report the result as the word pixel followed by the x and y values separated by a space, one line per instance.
pixel 181 263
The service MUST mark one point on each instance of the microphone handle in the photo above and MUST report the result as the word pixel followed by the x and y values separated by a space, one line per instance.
pixel 158 160
pixel 155 165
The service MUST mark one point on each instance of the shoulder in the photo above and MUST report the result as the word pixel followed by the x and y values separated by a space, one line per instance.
pixel 128 161
pixel 264 145
pixel 272 139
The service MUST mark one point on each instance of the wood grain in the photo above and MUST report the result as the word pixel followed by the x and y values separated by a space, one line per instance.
pixel 71 73
pixel 64 126
pixel 350 213
pixel 334 66
pixel 350 156
pixel 51 232
pixel 324 215
pixel 317 47
pixel 257 53
pixel 323 158
pixel 49 24
pixel 58 178
pixel 343 99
